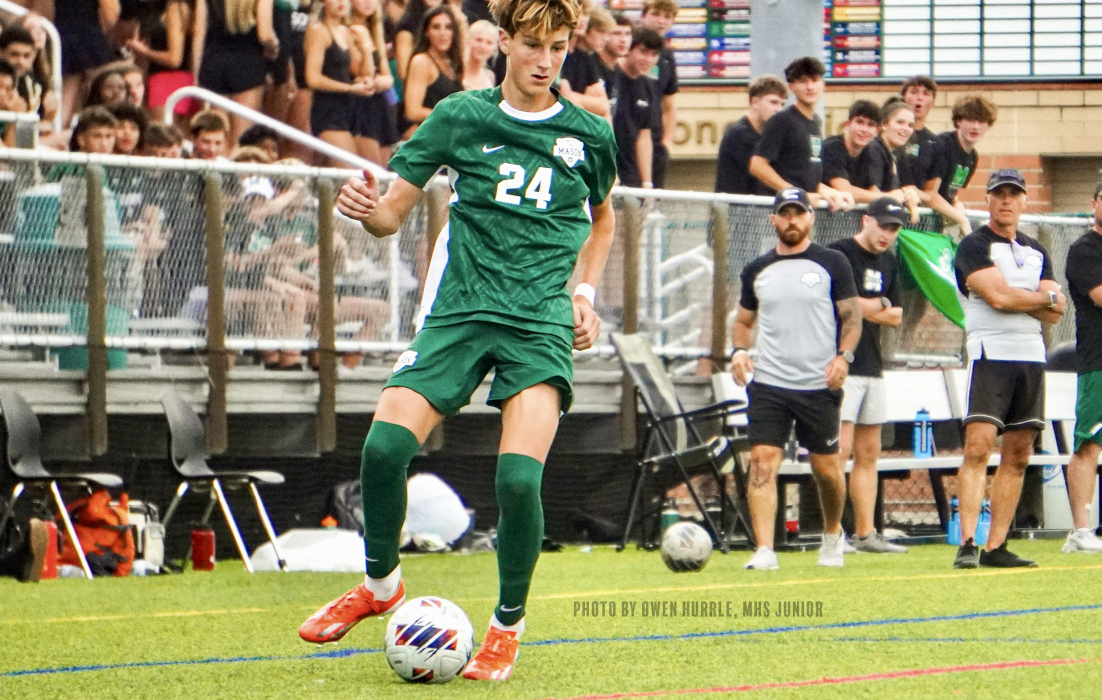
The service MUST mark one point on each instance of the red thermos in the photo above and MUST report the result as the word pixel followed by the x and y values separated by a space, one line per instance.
pixel 49 562
pixel 202 549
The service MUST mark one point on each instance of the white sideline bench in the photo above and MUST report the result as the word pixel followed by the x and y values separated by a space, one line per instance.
pixel 944 394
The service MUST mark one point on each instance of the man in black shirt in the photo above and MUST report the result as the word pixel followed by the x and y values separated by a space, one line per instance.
pixel 789 152
pixel 845 167
pixel 948 162
pixel 636 112
pixel 1084 272
pixel 580 81
pixel 767 96
pixel 615 47
pixel 802 298
pixel 659 16
pixel 864 403
pixel 918 92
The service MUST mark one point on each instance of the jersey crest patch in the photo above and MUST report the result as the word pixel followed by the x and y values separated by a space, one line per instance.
pixel 571 150
pixel 406 359
pixel 811 278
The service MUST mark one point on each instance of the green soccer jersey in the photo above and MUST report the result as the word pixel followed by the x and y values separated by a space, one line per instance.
pixel 521 183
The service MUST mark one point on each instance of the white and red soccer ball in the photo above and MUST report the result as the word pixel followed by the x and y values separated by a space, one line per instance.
pixel 428 640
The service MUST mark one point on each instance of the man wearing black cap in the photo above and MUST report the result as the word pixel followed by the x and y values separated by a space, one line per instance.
pixel 1008 287
pixel 803 299
pixel 864 404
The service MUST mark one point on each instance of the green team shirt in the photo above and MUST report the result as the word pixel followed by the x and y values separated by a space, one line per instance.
pixel 521 181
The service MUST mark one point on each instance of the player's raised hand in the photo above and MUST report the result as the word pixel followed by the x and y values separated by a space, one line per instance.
pixel 358 197
pixel 587 324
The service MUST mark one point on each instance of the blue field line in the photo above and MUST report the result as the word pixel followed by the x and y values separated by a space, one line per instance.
pixel 986 640
pixel 344 653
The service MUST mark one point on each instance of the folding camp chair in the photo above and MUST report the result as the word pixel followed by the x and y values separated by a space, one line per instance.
pixel 188 454
pixel 674 449
pixel 25 461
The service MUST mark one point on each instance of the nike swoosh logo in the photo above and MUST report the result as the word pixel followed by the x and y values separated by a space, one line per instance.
pixel 370 559
pixel 505 609
pixel 830 443
pixel 487 149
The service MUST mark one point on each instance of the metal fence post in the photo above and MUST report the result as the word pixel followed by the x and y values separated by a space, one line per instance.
pixel 97 313
pixel 720 293
pixel 631 228
pixel 218 360
pixel 327 334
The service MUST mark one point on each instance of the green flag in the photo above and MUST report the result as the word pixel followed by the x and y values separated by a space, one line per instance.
pixel 929 258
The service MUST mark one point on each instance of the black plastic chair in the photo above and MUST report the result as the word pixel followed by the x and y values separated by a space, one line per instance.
pixel 24 459
pixel 188 454
pixel 674 449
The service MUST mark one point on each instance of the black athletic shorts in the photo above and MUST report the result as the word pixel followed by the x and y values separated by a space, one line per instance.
pixel 816 413
pixel 1009 395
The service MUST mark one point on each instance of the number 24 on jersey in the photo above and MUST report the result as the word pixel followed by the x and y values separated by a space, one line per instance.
pixel 539 189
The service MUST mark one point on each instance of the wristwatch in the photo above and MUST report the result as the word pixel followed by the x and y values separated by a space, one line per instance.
pixel 1052 300
pixel 847 355
pixel 885 303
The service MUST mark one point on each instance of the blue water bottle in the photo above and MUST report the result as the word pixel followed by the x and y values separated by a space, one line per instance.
pixel 953 536
pixel 983 527
pixel 922 440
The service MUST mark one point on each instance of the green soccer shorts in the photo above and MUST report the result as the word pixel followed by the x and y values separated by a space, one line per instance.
pixel 445 364
pixel 1088 409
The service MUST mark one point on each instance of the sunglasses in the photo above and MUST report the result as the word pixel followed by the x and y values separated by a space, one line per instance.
pixel 1019 253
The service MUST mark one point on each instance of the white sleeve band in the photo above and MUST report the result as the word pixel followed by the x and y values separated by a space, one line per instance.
pixel 587 291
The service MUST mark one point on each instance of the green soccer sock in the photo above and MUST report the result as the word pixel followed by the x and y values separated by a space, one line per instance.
pixel 519 532
pixel 383 463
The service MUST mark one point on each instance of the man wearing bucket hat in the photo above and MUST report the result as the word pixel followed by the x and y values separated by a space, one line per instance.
pixel 802 297
pixel 1008 289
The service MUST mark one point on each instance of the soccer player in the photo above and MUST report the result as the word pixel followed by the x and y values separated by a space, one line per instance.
pixel 1008 288
pixel 526 165
pixel 1084 272
pixel 864 402
pixel 803 299
pixel 767 95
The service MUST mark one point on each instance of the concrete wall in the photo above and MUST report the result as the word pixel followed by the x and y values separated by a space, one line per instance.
pixel 1040 128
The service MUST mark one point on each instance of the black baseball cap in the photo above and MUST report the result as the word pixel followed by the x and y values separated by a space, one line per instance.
pixel 1006 176
pixel 791 195
pixel 887 212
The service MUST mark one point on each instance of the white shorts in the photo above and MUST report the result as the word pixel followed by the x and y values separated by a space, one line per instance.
pixel 864 401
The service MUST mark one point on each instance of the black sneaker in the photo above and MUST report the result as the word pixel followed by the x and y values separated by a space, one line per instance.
pixel 1002 558
pixel 968 557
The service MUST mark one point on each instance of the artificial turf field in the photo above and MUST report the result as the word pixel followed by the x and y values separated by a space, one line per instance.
pixel 904 626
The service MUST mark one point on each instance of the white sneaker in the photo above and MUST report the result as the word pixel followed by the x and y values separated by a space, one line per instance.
pixel 831 553
pixel 1083 540
pixel 764 559
pixel 847 546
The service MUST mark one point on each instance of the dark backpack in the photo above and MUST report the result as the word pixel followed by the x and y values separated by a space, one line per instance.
pixel 345 505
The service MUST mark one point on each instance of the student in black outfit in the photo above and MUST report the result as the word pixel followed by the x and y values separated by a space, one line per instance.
pixel 615 47
pixel 436 69
pixel 636 113
pixel 883 167
pixel 864 400
pixel 767 95
pixel 948 162
pixel 164 42
pixel 580 80
pixel 659 15
pixel 374 127
pixel 234 56
pixel 919 92
pixel 844 165
pixel 330 54
pixel 789 152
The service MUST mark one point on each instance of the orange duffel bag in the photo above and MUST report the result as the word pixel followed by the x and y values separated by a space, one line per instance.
pixel 104 533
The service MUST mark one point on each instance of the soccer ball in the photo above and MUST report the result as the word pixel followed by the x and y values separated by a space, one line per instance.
pixel 428 640
pixel 686 547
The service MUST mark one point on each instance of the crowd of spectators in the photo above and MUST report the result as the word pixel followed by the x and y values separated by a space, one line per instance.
pixel 881 150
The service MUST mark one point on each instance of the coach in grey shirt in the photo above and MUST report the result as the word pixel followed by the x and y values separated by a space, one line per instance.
pixel 804 301
pixel 1008 289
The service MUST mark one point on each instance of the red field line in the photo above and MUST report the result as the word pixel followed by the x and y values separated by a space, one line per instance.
pixel 890 675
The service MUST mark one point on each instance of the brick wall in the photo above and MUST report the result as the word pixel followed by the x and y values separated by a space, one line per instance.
pixel 1037 178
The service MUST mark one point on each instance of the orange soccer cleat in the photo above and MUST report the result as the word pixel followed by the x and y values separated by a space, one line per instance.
pixel 495 658
pixel 334 620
